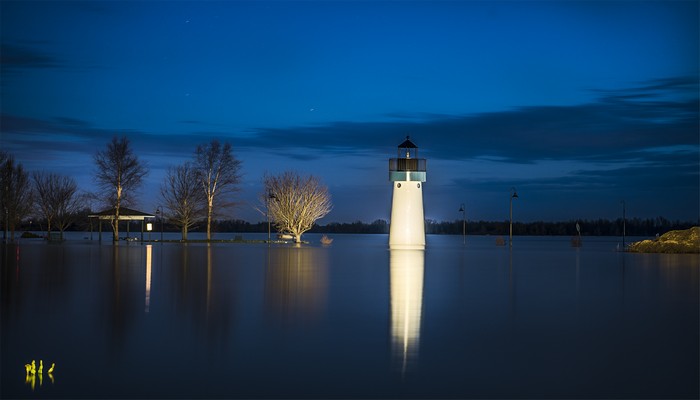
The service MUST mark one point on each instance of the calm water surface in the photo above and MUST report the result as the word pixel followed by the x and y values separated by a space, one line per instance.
pixel 353 319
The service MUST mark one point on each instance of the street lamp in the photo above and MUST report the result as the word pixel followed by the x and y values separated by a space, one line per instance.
pixel 159 214
pixel 514 195
pixel 463 210
pixel 624 227
pixel 7 213
pixel 270 196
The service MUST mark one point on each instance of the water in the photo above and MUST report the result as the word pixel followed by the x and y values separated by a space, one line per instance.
pixel 352 320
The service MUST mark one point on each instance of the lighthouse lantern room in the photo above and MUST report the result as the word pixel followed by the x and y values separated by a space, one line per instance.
pixel 407 174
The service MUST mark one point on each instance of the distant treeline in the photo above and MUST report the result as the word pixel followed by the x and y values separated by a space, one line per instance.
pixel 598 227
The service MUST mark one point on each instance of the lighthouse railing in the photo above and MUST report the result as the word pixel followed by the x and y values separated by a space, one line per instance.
pixel 407 164
pixel 407 169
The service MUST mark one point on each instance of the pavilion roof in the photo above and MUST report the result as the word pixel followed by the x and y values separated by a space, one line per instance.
pixel 124 213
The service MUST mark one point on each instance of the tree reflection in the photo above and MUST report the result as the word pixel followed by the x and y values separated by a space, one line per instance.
pixel 123 307
pixel 295 283
pixel 406 277
pixel 204 293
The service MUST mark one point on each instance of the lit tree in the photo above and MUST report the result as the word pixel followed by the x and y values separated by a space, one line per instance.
pixel 119 172
pixel 183 196
pixel 16 193
pixel 218 172
pixel 294 202
pixel 57 199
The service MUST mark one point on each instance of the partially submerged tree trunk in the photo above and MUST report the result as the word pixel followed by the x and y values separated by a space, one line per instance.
pixel 183 196
pixel 218 172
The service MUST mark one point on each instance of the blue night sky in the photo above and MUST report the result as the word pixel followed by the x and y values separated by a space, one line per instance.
pixel 578 105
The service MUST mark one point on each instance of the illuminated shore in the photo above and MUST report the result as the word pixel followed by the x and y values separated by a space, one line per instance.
pixel 680 241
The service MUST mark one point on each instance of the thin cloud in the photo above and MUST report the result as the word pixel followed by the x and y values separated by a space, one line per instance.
pixel 611 128
pixel 13 57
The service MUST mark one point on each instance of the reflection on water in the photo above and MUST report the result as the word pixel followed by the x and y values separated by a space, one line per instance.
pixel 406 277
pixel 149 251
pixel 201 288
pixel 247 321
pixel 296 283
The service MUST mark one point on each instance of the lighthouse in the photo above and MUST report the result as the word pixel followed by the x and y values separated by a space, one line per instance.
pixel 407 174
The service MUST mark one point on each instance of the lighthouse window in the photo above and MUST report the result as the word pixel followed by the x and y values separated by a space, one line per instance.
pixel 419 186
pixel 398 185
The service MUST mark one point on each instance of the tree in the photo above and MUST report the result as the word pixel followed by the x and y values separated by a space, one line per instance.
pixel 295 202
pixel 57 199
pixel 183 196
pixel 218 172
pixel 16 193
pixel 119 172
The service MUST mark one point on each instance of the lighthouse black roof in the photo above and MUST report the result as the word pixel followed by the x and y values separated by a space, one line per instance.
pixel 408 144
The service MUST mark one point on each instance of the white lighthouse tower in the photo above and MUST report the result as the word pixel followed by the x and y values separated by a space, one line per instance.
pixel 407 173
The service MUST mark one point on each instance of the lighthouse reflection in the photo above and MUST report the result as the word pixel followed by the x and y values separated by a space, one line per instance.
pixel 406 280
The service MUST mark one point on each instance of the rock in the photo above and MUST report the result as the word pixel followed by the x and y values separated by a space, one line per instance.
pixel 682 241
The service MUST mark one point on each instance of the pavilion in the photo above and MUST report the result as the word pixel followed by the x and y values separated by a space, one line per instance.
pixel 125 214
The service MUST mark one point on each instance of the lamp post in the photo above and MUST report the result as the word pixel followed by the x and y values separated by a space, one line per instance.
pixel 513 195
pixel 624 223
pixel 159 214
pixel 6 195
pixel 463 210
pixel 270 196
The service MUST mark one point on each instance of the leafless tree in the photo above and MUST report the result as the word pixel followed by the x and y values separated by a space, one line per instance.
pixel 16 193
pixel 119 172
pixel 183 196
pixel 57 199
pixel 218 172
pixel 294 202
pixel 42 198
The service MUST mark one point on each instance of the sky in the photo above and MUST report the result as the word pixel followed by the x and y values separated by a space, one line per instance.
pixel 576 105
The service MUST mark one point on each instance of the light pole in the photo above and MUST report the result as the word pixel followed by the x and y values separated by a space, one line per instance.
pixel 624 223
pixel 6 195
pixel 270 196
pixel 513 195
pixel 159 214
pixel 463 210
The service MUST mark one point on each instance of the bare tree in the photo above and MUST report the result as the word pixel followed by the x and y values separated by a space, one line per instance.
pixel 218 172
pixel 295 202
pixel 119 172
pixel 16 193
pixel 57 199
pixel 42 198
pixel 183 196
pixel 69 211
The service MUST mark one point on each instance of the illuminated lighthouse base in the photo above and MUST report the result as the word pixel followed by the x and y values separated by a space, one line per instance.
pixel 407 229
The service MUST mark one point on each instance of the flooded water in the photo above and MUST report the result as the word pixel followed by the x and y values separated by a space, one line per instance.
pixel 351 320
